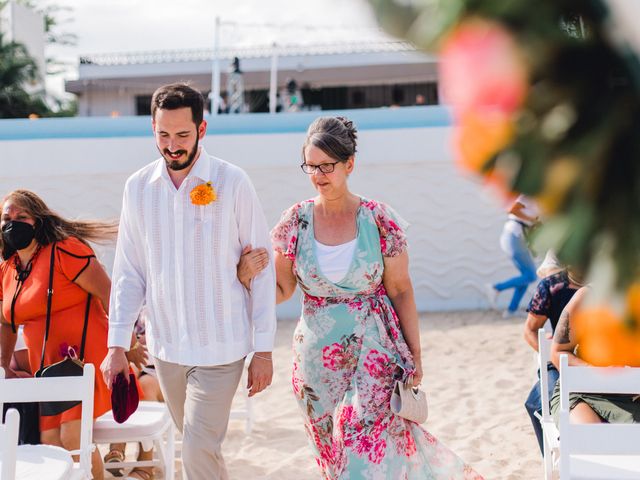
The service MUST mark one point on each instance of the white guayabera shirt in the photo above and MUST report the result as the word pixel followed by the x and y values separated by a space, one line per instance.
pixel 180 260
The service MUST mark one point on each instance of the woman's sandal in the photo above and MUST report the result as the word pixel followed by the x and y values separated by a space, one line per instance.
pixel 114 456
pixel 141 474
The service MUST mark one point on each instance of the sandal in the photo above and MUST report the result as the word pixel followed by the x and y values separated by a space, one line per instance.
pixel 141 473
pixel 114 456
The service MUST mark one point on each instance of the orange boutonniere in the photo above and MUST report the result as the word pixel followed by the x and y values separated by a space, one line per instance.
pixel 203 194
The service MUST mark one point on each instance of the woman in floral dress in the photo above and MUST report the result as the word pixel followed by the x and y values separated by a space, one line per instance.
pixel 359 327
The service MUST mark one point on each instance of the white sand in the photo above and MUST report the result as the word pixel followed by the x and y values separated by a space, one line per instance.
pixel 478 371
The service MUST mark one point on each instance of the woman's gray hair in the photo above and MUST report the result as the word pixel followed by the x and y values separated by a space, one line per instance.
pixel 335 136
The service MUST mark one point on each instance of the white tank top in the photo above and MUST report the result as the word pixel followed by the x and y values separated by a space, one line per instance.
pixel 335 260
pixel 20 345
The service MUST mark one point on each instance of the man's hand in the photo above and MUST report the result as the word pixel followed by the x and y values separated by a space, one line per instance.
pixel 114 363
pixel 260 372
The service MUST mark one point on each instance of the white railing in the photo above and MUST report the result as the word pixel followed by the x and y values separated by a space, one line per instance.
pixel 206 54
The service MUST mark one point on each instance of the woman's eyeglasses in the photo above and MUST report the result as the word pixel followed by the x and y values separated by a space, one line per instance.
pixel 323 167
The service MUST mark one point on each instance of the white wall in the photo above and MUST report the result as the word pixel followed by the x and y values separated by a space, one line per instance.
pixel 23 25
pixel 455 223
pixel 99 101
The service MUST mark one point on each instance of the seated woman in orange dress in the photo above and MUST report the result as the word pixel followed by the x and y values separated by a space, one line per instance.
pixel 30 230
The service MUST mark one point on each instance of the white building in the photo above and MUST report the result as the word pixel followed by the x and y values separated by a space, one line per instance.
pixel 329 76
pixel 21 24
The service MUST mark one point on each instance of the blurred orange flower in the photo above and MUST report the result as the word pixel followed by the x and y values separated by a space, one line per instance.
pixel 485 79
pixel 604 339
pixel 560 177
pixel 633 301
pixel 500 182
pixel 203 194
pixel 478 137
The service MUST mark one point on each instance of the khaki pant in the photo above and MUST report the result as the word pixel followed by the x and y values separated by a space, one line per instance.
pixel 199 400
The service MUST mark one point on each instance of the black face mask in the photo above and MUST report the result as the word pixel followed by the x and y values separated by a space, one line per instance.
pixel 18 235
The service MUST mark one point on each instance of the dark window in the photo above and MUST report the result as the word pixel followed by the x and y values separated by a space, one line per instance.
pixel 430 92
pixel 312 97
pixel 143 105
pixel 371 96
pixel 357 98
pixel 397 95
pixel 257 100
pixel 334 98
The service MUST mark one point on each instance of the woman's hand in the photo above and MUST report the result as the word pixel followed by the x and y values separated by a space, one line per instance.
pixel 137 355
pixel 252 262
pixel 417 375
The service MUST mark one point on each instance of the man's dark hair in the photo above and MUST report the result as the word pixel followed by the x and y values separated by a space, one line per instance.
pixel 178 95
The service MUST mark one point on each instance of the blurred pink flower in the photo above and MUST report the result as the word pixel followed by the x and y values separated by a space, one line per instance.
pixel 482 67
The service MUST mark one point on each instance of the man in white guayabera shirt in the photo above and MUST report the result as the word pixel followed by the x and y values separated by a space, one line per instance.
pixel 185 219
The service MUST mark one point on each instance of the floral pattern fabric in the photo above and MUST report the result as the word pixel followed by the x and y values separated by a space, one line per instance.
pixel 348 352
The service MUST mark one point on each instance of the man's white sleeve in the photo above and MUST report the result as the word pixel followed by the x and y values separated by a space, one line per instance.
pixel 128 283
pixel 253 229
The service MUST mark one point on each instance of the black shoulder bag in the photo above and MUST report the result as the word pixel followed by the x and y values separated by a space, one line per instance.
pixel 69 367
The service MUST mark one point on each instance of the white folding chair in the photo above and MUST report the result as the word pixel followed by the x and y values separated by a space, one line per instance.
pixel 50 390
pixel 602 451
pixel 151 425
pixel 9 444
pixel 550 432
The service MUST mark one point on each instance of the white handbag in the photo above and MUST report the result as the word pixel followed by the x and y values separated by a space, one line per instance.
pixel 409 402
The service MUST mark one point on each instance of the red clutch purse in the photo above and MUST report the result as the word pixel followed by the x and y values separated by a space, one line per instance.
pixel 124 397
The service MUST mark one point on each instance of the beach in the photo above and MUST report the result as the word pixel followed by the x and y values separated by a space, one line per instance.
pixel 478 372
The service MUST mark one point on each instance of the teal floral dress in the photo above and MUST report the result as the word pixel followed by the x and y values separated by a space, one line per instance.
pixel 348 351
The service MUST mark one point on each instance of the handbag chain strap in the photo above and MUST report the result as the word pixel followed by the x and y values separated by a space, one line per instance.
pixel 49 300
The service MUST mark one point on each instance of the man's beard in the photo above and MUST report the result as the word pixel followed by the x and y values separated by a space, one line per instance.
pixel 175 165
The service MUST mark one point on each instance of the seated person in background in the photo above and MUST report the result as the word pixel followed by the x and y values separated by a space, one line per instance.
pixel 37 245
pixel 29 432
pixel 587 407
pixel 147 374
pixel 20 359
pixel 150 391
pixel 549 265
pixel 551 296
